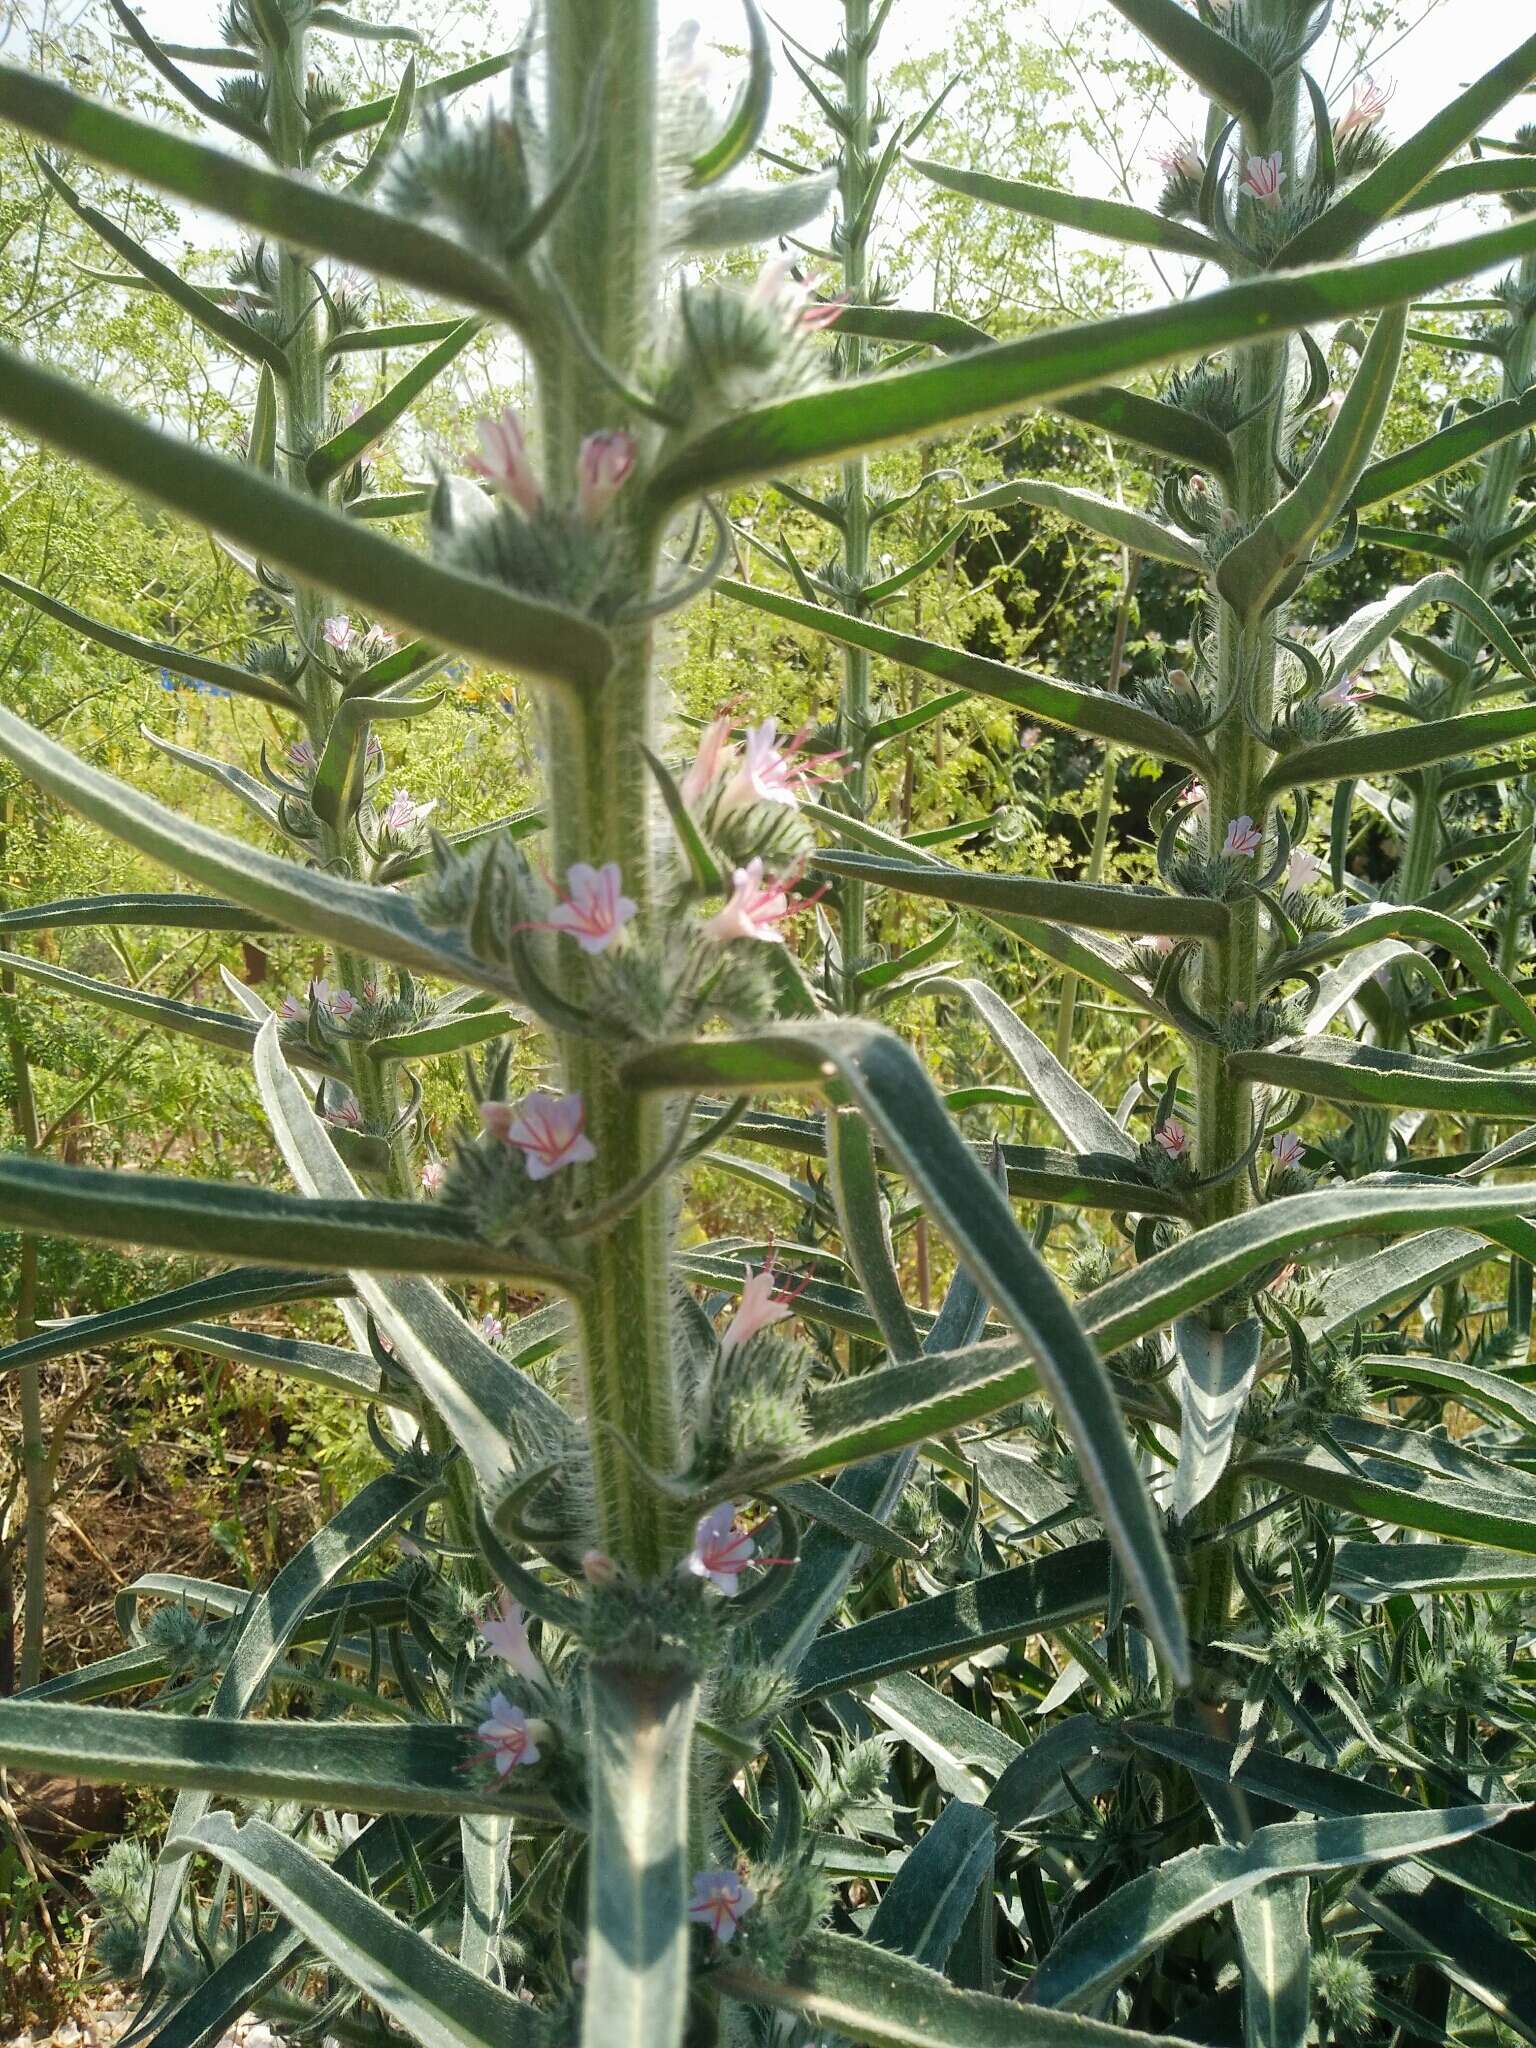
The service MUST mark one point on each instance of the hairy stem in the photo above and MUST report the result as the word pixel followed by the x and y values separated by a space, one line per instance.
pixel 856 168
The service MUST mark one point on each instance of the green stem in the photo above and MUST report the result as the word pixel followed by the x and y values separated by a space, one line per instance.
pixel 602 248
pixel 856 167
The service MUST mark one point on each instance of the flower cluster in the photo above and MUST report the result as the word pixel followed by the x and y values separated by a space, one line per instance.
pixel 604 464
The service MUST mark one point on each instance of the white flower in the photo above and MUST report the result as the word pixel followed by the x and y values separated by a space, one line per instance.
pixel 1287 1150
pixel 594 910
pixel 1264 176
pixel 508 1735
pixel 549 1130
pixel 754 908
pixel 763 1303
pixel 505 1631
pixel 1304 869
pixel 503 461
pixel 1243 838
pixel 721 1901
pixel 1171 1137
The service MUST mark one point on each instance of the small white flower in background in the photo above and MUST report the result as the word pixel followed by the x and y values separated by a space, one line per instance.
pixel 492 1329
pixel 1181 159
pixel 433 1175
pixel 503 461
pixel 505 1631
pixel 301 755
pixel 1347 692
pixel 1287 1150
pixel 1243 838
pixel 594 909
pixel 755 906
pixel 1304 869
pixel 338 632
pixel 764 1302
pixel 1171 1137
pixel 507 1734
pixel 404 815
pixel 603 468
pixel 547 1129
pixel 721 1901
pixel 722 1549
pixel 347 1113
pixel 1368 102
pixel 1263 177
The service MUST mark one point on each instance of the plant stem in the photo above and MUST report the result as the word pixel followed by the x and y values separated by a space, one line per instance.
pixel 602 247
pixel 854 182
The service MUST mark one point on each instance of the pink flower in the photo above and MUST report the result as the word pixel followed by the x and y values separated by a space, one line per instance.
pixel 598 1568
pixel 722 1549
pixel 1287 1150
pixel 340 1003
pixel 433 1174
pixel 603 467
pixel 773 774
pixel 377 643
pixel 755 906
pixel 1304 869
pixel 594 909
pixel 1347 692
pixel 1181 159
pixel 347 1113
pixel 492 1329
pixel 715 753
pixel 1029 737
pixel 1171 1137
pixel 1368 103
pixel 503 461
pixel 1264 176
pixel 1195 796
pixel 547 1129
pixel 301 755
pixel 504 1631
pixel 1243 838
pixel 721 1901
pixel 338 632
pixel 405 815
pixel 507 1735
pixel 779 292
pixel 763 1302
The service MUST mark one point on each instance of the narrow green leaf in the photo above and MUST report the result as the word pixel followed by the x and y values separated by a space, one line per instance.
pixel 1384 1571
pixel 1069 704
pixel 301 1358
pixel 223 1294
pixel 147 912
pixel 862 1993
pixel 434 1998
pixel 921 1914
pixel 222 675
pixel 744 125
pixel 1423 460
pixel 1213 1378
pixel 1342 1070
pixel 373 113
pixel 1423 1915
pixel 300 534
pixel 1122 524
pixel 1353 644
pixel 890 1086
pixel 1355 1292
pixel 354 440
pixel 1276 1942
pixel 1112 218
pixel 956 1742
pixel 1094 907
pixel 1270 563
pixel 855 1186
pixel 640 1722
pixel 1077 1114
pixel 1105 1944
pixel 1400 749
pixel 1215 63
pixel 1368 926
pixel 1408 1497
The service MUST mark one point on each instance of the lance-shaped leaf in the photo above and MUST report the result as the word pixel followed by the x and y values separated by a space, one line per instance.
pixel 143 910
pixel 229 1220
pixel 1268 565
pixel 1368 927
pixel 378 922
pixel 341 774
pixel 355 1766
pixel 1401 749
pixel 640 1760
pixel 1389 1490
pixel 259 799
pixel 223 1294
pixel 1355 1292
pixel 221 675
pixel 267 1624
pixel 1214 61
pixel 1134 225
pixel 299 534
pixel 1069 704
pixel 485 1843
pixel 790 434
pixel 1077 1114
pixel 744 125
pixel 726 217
pixel 1384 1571
pixel 1353 643
pixel 1398 179
pixel 1276 1942
pixel 300 1358
pixel 225 327
pixel 889 1084
pixel 1206 1264
pixel 501 1420
pixel 861 1993
pixel 375 113
pixel 1493 1393
pixel 1213 1378
pixel 1122 524
pixel 1095 907
pixel 855 1185
pixel 1003 1607
pixel 291 209
pixel 921 1914
pixel 1423 460
pixel 955 1741
pixel 353 441
pixel 221 111
pixel 1422 1915
pixel 433 1997
pixel 163 1013
pixel 1092 1955
pixel 1342 1070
